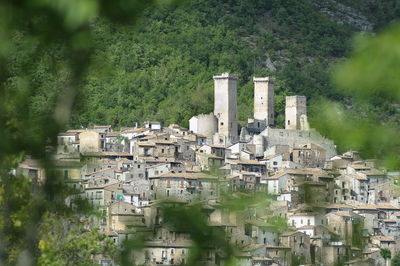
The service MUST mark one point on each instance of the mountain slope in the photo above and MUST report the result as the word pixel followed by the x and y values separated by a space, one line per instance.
pixel 162 68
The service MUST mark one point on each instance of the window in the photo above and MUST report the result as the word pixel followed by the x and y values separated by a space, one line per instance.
pixel 288 122
pixel 167 193
pixel 162 150
pixel 222 123
pixel 168 183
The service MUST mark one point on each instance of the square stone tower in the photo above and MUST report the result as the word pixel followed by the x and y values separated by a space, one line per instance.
pixel 295 112
pixel 264 100
pixel 225 104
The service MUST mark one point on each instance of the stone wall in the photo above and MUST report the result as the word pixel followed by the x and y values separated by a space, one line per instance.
pixel 225 104
pixel 264 99
pixel 297 137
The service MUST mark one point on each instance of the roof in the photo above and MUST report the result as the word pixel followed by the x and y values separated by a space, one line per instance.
pixel 338 206
pixel 164 142
pixel 259 223
pixel 307 227
pixel 186 175
pixel 107 153
pixel 389 221
pixel 362 206
pixel 246 151
pixel 145 144
pixel 384 238
pixel 124 208
pixel 261 259
pixel 290 233
pixel 103 185
pixel 386 206
pixel 302 213
pixel 310 183
pixel 358 177
pixel 373 172
pixel 158 160
pixel 113 134
pixel 215 146
pixel 271 156
pixel 174 244
pixel 101 170
pixel 277 176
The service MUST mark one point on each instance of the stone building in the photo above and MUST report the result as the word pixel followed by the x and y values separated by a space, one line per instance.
pixel 225 105
pixel 206 125
pixel 299 244
pixel 92 141
pixel 264 101
pixel 184 186
pixel 295 112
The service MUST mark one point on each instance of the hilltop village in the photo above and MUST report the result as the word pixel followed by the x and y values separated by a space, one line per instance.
pixel 333 209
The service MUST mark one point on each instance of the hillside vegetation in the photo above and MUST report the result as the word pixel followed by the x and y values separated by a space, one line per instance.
pixel 162 68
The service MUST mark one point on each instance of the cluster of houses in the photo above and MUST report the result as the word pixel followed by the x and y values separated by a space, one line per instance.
pixel 323 208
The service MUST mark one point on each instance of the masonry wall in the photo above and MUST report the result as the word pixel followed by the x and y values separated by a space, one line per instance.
pixel 89 141
pixel 225 104
pixel 264 100
pixel 295 137
pixel 295 108
pixel 206 125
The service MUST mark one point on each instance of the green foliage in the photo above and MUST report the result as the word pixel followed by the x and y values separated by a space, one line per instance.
pixel 357 234
pixel 65 243
pixel 385 253
pixel 162 69
pixel 368 121
pixel 298 260
pixel 45 50
pixel 396 260
pixel 279 223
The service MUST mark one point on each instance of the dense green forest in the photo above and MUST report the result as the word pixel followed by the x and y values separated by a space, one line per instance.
pixel 162 67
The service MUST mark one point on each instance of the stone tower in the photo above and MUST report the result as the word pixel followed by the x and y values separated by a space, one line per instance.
pixel 295 112
pixel 225 104
pixel 264 100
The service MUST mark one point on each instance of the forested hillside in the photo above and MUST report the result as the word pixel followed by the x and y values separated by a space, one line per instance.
pixel 162 68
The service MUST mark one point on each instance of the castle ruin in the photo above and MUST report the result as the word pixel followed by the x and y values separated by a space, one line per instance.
pixel 221 127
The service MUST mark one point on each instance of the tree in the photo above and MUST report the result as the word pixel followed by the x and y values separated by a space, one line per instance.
pixel 370 83
pixel 41 40
pixel 396 260
pixel 386 254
